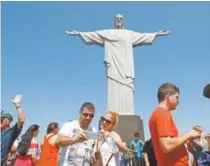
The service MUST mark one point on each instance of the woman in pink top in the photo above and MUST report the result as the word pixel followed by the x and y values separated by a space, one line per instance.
pixel 28 148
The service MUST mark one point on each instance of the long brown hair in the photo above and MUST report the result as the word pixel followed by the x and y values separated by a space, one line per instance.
pixel 26 140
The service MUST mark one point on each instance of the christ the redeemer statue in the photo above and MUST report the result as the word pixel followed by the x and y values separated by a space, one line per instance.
pixel 118 45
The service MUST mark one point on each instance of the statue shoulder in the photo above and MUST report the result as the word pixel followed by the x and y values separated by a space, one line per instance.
pixel 104 30
pixel 128 30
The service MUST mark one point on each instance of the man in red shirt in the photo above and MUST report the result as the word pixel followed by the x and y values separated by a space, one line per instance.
pixel 169 147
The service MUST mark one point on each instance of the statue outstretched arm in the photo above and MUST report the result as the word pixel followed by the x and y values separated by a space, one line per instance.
pixel 88 37
pixel 163 33
pixel 72 32
pixel 147 38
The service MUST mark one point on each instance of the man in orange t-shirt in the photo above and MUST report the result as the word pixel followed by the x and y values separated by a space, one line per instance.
pixel 169 147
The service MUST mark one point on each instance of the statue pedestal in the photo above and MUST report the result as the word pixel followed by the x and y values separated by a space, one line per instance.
pixel 128 124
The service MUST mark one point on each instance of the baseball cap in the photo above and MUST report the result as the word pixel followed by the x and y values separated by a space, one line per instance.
pixel 7 115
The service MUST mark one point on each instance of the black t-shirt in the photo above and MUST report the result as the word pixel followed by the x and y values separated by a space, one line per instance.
pixel 148 148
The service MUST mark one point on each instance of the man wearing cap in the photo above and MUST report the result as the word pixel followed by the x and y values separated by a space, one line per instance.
pixel 9 134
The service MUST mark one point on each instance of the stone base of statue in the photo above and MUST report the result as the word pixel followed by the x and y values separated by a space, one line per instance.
pixel 128 124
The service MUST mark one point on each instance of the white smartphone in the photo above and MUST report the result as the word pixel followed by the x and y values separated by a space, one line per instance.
pixel 92 135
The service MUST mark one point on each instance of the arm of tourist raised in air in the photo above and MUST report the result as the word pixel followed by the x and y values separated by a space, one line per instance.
pixel 169 144
pixel 16 102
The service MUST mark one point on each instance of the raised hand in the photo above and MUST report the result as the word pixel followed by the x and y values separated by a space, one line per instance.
pixel 72 32
pixel 17 99
pixel 163 33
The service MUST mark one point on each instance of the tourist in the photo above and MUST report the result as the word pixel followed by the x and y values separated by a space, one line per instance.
pixel 149 155
pixel 9 134
pixel 28 148
pixel 169 147
pixel 73 136
pixel 109 145
pixel 136 145
pixel 49 151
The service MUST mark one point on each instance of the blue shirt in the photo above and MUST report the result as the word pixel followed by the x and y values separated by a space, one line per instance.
pixel 8 137
pixel 137 148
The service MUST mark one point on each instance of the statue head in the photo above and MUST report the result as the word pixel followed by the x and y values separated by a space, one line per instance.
pixel 118 21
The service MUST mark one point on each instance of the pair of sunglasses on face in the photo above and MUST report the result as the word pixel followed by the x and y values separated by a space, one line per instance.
pixel 102 118
pixel 86 115
pixel 105 120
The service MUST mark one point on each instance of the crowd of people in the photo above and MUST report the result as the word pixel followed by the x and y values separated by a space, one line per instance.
pixel 78 143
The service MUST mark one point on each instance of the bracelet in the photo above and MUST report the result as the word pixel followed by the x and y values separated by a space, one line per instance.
pixel 18 107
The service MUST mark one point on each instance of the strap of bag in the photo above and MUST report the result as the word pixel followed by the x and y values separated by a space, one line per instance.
pixel 109 159
pixel 97 146
pixel 97 149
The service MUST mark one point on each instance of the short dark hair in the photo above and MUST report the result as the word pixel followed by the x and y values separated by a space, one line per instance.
pixel 51 127
pixel 87 105
pixel 165 89
pixel 136 134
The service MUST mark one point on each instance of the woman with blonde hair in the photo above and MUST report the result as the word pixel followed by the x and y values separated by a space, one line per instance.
pixel 109 145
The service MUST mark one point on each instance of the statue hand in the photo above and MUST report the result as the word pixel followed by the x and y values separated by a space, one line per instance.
pixel 72 32
pixel 163 32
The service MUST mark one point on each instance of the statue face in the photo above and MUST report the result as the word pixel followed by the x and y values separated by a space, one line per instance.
pixel 118 22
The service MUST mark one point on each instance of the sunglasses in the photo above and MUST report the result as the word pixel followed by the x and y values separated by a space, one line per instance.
pixel 86 115
pixel 106 120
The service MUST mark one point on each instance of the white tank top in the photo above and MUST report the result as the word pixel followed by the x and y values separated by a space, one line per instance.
pixel 108 148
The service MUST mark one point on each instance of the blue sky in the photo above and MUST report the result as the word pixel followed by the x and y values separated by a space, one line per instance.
pixel 56 73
